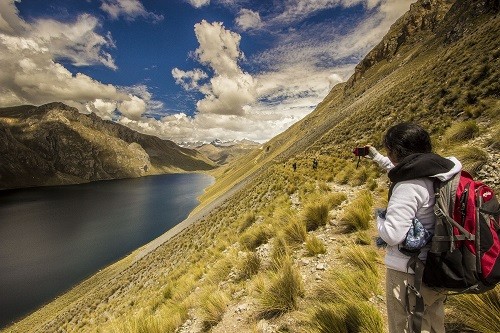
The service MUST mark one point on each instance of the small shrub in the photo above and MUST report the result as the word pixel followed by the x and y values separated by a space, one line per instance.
pixel 281 293
pixel 315 215
pixel 314 246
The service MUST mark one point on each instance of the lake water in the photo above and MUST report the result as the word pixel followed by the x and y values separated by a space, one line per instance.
pixel 53 237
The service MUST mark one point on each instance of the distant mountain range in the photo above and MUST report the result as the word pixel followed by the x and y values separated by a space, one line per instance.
pixel 223 152
pixel 55 144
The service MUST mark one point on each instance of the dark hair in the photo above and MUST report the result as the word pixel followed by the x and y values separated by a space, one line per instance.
pixel 407 138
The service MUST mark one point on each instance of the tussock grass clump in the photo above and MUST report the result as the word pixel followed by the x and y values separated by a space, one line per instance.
pixel 280 292
pixel 256 236
pixel 280 251
pixel 363 238
pixel 167 319
pixel 362 258
pixel 249 266
pixel 360 176
pixel 328 318
pixel 339 318
pixel 213 304
pixel 480 312
pixel 247 221
pixel 472 158
pixel 315 215
pixel 220 270
pixel 315 246
pixel 295 232
pixel 348 285
pixel 335 199
pixel 344 175
pixel 461 131
pixel 357 215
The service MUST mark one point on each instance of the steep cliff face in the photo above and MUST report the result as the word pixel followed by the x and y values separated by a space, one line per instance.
pixel 422 18
pixel 55 144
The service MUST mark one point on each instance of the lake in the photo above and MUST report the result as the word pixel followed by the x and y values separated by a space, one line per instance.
pixel 51 238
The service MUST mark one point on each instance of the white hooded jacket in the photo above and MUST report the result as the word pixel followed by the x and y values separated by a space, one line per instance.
pixel 409 199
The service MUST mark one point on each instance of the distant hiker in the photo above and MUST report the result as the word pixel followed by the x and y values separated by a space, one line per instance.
pixel 315 164
pixel 294 166
pixel 411 166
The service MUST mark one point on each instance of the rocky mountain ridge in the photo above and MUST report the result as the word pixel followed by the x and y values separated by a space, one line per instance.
pixel 55 144
pixel 223 152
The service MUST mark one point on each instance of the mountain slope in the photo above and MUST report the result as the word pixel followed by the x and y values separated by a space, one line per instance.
pixel 442 75
pixel 55 144
pixel 438 64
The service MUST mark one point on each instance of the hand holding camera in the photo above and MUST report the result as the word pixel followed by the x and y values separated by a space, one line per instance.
pixel 366 151
pixel 361 151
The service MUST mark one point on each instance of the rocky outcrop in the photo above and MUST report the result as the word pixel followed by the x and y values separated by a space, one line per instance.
pixel 423 17
pixel 55 144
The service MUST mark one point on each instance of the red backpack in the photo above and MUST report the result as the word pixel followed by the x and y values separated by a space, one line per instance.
pixel 465 249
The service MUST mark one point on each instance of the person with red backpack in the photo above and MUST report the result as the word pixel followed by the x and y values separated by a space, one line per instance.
pixel 412 168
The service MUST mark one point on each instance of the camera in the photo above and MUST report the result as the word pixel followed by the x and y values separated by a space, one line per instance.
pixel 361 151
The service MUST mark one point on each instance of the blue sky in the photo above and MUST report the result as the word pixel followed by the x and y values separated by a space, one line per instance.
pixel 187 70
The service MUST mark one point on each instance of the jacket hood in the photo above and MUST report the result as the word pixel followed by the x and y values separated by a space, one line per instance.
pixel 425 165
pixel 448 175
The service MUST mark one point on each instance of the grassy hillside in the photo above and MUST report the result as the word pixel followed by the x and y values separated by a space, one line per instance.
pixel 293 251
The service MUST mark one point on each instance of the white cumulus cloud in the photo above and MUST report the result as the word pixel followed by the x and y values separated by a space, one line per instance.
pixel 31 73
pixel 230 89
pixel 133 108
